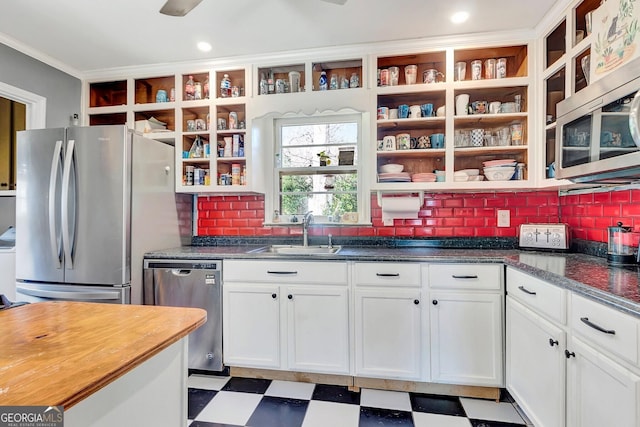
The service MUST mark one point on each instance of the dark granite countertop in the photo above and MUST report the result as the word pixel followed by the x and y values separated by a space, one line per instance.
pixel 593 277
pixel 351 253
pixel 618 287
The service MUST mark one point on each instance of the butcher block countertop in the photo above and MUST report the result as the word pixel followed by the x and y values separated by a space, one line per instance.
pixel 59 353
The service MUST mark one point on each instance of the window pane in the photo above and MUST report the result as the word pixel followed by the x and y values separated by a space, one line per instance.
pixel 328 195
pixel 304 182
pixel 302 144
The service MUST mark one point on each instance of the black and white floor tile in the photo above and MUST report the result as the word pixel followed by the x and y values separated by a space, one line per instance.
pixel 238 402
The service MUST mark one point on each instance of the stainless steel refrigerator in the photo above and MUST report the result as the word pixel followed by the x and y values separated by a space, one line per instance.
pixel 90 201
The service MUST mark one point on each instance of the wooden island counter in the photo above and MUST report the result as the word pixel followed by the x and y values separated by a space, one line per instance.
pixel 107 364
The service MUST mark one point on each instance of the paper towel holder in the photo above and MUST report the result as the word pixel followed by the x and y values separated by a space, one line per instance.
pixel 409 193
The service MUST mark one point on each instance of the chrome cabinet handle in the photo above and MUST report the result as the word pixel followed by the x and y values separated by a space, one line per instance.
pixel 526 291
pixel 388 274
pixel 553 342
pixel 464 276
pixel 281 272
pixel 586 321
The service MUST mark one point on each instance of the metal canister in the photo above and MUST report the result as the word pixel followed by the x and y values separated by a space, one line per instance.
pixel 189 171
pixel 235 174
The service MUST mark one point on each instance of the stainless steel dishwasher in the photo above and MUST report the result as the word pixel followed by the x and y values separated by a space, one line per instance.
pixel 190 283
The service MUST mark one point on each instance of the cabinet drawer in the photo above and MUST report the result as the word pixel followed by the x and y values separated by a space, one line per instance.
pixel 612 330
pixel 541 296
pixel 387 273
pixel 464 276
pixel 285 271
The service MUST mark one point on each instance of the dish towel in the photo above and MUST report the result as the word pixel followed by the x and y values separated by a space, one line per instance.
pixel 400 207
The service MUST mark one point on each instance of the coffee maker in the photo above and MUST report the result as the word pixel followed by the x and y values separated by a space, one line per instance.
pixel 620 248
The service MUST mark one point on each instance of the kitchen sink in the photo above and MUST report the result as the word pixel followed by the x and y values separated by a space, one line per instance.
pixel 299 249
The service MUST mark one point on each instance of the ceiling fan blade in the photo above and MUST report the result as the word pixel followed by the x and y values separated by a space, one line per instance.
pixel 178 7
pixel 336 1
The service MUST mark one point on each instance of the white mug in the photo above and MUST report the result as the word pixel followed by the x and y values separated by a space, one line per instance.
pixel 389 142
pixel 440 112
pixel 494 107
pixel 414 111
pixel 393 113
pixel 462 103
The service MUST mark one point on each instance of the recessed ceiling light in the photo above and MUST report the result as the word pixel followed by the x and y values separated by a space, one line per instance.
pixel 204 46
pixel 459 17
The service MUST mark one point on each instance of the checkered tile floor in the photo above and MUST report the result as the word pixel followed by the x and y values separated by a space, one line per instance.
pixel 232 402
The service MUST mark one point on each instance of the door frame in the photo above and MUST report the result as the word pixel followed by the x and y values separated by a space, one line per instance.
pixel 36 105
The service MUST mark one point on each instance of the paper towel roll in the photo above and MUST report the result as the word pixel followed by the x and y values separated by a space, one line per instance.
pixel 399 207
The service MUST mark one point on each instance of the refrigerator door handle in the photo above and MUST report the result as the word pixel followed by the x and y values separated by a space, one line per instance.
pixel 54 241
pixel 67 241
pixel 71 295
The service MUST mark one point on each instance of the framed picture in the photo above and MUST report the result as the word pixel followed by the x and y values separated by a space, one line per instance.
pixel 615 36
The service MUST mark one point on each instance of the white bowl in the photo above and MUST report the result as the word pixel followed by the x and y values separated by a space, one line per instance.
pixel 500 168
pixel 476 178
pixel 391 168
pixel 460 177
pixel 504 174
pixel 470 172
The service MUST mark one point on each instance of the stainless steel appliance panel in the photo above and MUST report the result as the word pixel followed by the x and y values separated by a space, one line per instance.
pixel 39 174
pixel 99 208
pixel 597 130
pixel 39 292
pixel 191 283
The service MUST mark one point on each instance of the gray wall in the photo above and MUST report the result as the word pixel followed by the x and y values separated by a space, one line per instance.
pixel 63 92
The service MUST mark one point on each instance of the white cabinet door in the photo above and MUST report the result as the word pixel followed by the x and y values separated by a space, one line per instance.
pixel 317 328
pixel 251 325
pixel 388 330
pixel 600 392
pixel 466 338
pixel 535 374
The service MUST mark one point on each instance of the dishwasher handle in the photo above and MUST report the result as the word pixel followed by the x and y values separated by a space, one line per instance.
pixel 181 272
pixel 183 264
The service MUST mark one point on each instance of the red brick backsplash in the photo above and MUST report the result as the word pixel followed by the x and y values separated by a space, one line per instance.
pixel 441 215
pixel 589 215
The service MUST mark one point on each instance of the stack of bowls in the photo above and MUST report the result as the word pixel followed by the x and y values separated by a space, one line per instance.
pixel 499 170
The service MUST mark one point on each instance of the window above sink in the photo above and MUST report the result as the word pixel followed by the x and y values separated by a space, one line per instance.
pixel 317 168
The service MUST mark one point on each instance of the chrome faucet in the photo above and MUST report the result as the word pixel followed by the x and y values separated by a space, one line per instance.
pixel 306 221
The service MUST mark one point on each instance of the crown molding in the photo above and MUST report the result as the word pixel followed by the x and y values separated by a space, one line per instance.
pixel 42 57
pixel 550 19
pixel 318 54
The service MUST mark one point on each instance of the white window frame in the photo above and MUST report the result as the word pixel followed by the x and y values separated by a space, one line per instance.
pixel 272 202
